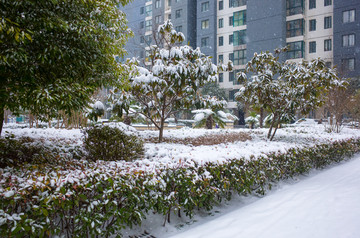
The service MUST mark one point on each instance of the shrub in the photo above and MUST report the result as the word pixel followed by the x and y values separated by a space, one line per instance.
pixel 19 151
pixel 111 144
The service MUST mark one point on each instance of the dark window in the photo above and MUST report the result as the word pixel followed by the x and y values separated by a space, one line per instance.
pixel 312 47
pixel 221 40
pixel 204 6
pixel 204 41
pixel 148 10
pixel 348 40
pixel 237 3
pixel 221 5
pixel 221 77
pixel 327 45
pixel 327 22
pixel 232 94
pixel 231 21
pixel 157 3
pixel 312 25
pixel 239 18
pixel 221 22
pixel 221 59
pixel 239 57
pixel 295 50
pixel 142 10
pixel 169 3
pixel 327 2
pixel 158 19
pixel 236 79
pixel 231 39
pixel 348 64
pixel 178 28
pixel 295 28
pixel 349 16
pixel 239 37
pixel 169 16
pixel 178 13
pixel 312 4
pixel 205 24
pixel 231 76
pixel 294 7
pixel 148 25
pixel 142 39
pixel 231 57
pixel 142 25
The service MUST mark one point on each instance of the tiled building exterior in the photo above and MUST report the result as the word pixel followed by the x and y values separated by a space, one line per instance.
pixel 236 29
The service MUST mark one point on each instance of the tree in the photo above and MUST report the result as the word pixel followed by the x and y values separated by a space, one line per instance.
pixel 172 82
pixel 283 88
pixel 55 54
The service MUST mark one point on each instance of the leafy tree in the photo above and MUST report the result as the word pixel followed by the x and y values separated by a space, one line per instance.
pixel 283 88
pixel 55 54
pixel 172 82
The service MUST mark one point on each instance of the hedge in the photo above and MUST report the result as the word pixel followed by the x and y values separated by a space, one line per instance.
pixel 99 201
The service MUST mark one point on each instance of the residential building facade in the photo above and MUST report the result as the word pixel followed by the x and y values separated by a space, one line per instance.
pixel 236 29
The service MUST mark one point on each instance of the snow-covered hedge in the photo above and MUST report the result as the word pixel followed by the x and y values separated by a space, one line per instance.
pixel 82 199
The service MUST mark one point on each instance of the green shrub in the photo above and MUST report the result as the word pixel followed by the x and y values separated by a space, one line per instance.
pixel 111 144
pixel 19 151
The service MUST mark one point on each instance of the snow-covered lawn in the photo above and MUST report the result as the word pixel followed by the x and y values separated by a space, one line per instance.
pixel 325 204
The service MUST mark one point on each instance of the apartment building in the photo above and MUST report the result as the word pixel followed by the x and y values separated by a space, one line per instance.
pixel 236 29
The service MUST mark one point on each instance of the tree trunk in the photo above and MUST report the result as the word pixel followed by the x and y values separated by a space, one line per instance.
pixel 261 120
pixel 209 122
pixel 2 110
pixel 127 120
pixel 161 130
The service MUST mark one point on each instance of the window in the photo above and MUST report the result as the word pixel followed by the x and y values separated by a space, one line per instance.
pixel 178 28
pixel 348 40
pixel 348 64
pixel 148 39
pixel 142 24
pixel 231 76
pixel 231 39
pixel 204 6
pixel 142 10
pixel 158 19
pixel 148 25
pixel 178 13
pixel 295 28
pixel 221 59
pixel 236 79
pixel 327 3
pixel 231 57
pixel 239 57
pixel 327 22
pixel 141 54
pixel 312 25
pixel 142 39
pixel 205 24
pixel 312 47
pixel 295 50
pixel 169 16
pixel 221 40
pixel 294 7
pixel 349 16
pixel 239 37
pixel 221 22
pixel 221 77
pixel 157 3
pixel 232 94
pixel 327 45
pixel 239 18
pixel 237 3
pixel 148 10
pixel 204 41
pixel 231 21
pixel 169 3
pixel 221 5
pixel 312 4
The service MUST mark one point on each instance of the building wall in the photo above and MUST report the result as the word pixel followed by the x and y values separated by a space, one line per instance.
pixel 340 29
pixel 209 33
pixel 266 26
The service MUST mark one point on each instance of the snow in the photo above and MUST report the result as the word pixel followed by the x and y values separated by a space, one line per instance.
pixel 324 205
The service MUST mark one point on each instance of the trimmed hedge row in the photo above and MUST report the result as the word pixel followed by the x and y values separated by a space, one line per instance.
pixel 103 201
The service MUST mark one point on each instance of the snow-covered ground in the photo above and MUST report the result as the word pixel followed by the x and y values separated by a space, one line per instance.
pixel 326 204
pixel 322 205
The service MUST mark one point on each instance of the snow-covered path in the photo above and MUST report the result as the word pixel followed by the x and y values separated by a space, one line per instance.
pixel 325 205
